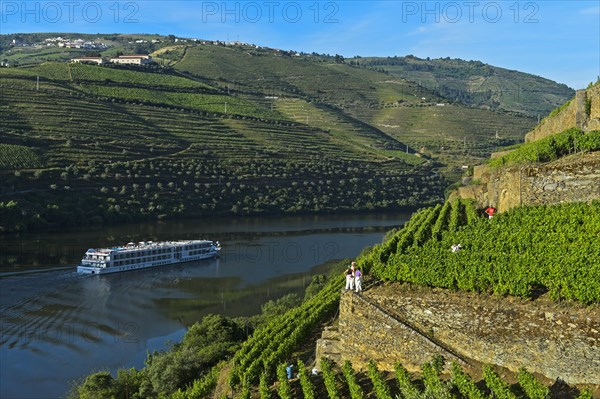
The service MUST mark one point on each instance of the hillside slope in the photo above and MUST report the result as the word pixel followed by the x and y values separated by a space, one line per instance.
pixel 558 163
pixel 400 106
pixel 455 134
pixel 477 84
pixel 147 144
pixel 226 130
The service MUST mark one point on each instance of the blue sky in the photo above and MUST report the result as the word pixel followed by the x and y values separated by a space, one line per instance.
pixel 559 40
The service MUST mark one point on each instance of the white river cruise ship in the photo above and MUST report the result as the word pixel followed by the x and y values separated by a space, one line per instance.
pixel 146 254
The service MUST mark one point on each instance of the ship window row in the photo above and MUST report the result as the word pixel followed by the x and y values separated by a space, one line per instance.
pixel 198 252
pixel 96 257
pixel 129 255
pixel 138 267
pixel 141 260
pixel 93 262
pixel 195 246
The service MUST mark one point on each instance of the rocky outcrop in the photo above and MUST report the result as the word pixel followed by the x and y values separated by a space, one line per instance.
pixel 570 179
pixel 582 112
pixel 401 323
pixel 593 96
pixel 329 345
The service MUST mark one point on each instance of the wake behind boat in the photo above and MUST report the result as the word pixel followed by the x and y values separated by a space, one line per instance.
pixel 146 254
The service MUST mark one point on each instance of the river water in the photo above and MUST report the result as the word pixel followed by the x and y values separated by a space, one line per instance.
pixel 58 326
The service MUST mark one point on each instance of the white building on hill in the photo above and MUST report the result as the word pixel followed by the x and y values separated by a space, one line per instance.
pixel 88 60
pixel 136 59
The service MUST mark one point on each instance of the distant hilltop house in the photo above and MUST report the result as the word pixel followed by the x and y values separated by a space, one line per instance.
pixel 74 43
pixel 89 60
pixel 17 43
pixel 136 59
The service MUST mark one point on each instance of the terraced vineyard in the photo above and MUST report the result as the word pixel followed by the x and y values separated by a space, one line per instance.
pixel 344 130
pixel 570 141
pixel 80 73
pixel 399 108
pixel 441 130
pixel 18 157
pixel 264 71
pixel 75 103
pixel 529 249
pixel 134 155
pixel 435 381
pixel 261 362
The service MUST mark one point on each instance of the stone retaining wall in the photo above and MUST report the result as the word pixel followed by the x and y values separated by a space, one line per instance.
pixel 571 179
pixel 553 340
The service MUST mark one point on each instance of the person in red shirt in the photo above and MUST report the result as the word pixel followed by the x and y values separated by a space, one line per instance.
pixel 490 211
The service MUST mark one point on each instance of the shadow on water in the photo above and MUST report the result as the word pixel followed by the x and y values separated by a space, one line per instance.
pixel 221 296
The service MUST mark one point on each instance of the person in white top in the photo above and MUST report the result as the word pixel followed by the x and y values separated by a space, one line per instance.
pixel 349 279
pixel 456 247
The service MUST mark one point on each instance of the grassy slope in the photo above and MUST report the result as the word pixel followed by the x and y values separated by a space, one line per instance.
pixel 451 132
pixel 478 84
